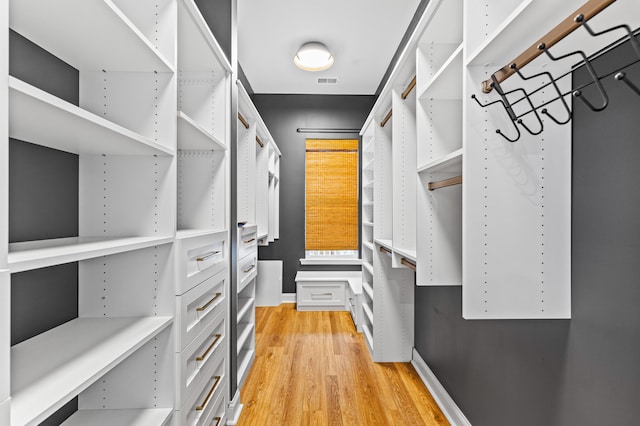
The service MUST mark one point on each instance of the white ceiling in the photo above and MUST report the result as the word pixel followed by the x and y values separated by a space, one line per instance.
pixel 363 36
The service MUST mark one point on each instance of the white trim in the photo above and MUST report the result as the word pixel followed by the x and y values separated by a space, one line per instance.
pixel 331 261
pixel 452 412
pixel 235 408
pixel 288 298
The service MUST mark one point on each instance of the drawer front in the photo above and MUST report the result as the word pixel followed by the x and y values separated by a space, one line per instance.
pixel 198 307
pixel 352 303
pixel 200 407
pixel 218 416
pixel 199 358
pixel 247 241
pixel 321 294
pixel 247 270
pixel 199 258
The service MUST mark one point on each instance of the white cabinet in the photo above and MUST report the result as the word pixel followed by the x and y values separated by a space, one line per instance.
pixel 246 296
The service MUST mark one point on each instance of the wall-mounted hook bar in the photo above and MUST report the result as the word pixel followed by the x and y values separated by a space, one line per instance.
pixel 623 77
pixel 592 72
pixel 457 180
pixel 555 86
pixel 632 39
pixel 498 131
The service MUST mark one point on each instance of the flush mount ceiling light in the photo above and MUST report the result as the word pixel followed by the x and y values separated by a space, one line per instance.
pixel 313 56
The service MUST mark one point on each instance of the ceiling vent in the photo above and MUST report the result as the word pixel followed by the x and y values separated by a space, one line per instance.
pixel 327 81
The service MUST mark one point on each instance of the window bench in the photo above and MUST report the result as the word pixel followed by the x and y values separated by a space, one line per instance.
pixel 330 291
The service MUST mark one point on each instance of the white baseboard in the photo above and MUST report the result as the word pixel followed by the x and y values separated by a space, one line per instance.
pixel 234 409
pixel 288 298
pixel 451 411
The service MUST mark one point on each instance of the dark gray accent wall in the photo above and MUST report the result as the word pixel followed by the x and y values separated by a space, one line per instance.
pixel 218 15
pixel 283 114
pixel 583 371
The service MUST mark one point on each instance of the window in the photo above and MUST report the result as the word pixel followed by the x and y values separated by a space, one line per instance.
pixel 332 198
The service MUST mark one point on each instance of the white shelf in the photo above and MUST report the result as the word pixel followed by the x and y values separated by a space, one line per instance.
pixel 368 267
pixel 450 163
pixel 39 254
pixel 445 84
pixel 368 245
pixel 192 136
pixel 368 313
pixel 248 305
pixel 197 47
pixel 245 358
pixel 66 127
pixel 184 234
pixel 369 224
pixel 90 35
pixel 50 369
pixel 368 336
pixel 388 244
pixel 244 332
pixel 409 254
pixel 151 416
pixel 367 289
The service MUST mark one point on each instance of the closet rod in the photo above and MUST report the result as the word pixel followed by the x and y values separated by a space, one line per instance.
pixel 409 264
pixel 243 121
pixel 588 10
pixel 386 118
pixel 457 180
pixel 259 142
pixel 409 88
pixel 385 251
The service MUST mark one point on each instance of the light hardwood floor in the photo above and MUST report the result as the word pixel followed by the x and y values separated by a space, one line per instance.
pixel 313 368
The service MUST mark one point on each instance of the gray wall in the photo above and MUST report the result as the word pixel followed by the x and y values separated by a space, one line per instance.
pixel 283 114
pixel 583 371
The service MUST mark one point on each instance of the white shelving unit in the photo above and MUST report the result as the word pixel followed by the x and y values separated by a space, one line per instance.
pixel 203 199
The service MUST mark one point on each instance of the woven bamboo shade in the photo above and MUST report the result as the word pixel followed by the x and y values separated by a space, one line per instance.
pixel 332 194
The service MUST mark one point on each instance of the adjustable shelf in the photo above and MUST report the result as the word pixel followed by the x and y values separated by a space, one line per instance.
pixel 388 244
pixel 245 306
pixel 192 136
pixel 145 417
pixel 245 359
pixel 409 254
pixel 450 163
pixel 367 312
pixel 445 84
pixel 66 127
pixel 74 31
pixel 244 332
pixel 367 289
pixel 39 254
pixel 78 353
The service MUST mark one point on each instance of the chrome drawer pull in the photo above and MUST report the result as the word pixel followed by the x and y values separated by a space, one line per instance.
pixel 204 355
pixel 206 305
pixel 207 256
pixel 204 403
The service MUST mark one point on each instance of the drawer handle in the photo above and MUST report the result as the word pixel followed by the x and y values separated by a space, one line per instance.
pixel 249 269
pixel 249 241
pixel 217 419
pixel 207 256
pixel 206 305
pixel 204 355
pixel 351 301
pixel 320 294
pixel 204 403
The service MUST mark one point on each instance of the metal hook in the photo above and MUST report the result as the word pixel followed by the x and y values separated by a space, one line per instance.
pixel 553 82
pixel 592 72
pixel 623 77
pixel 498 131
pixel 632 39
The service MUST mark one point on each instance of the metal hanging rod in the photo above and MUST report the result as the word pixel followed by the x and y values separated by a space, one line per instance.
pixel 385 251
pixel 444 183
pixel 244 122
pixel 409 88
pixel 386 118
pixel 409 264
pixel 587 11
pixel 259 142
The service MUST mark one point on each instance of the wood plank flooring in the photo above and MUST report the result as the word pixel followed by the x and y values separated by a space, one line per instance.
pixel 313 368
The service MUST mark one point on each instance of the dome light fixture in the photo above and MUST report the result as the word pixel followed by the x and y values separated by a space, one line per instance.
pixel 313 56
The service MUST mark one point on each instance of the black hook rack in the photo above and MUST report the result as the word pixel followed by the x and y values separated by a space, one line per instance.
pixel 584 60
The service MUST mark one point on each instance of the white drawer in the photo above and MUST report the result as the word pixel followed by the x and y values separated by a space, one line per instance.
pixel 198 307
pixel 199 358
pixel 247 241
pixel 247 270
pixel 321 294
pixel 199 258
pixel 218 415
pixel 201 406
